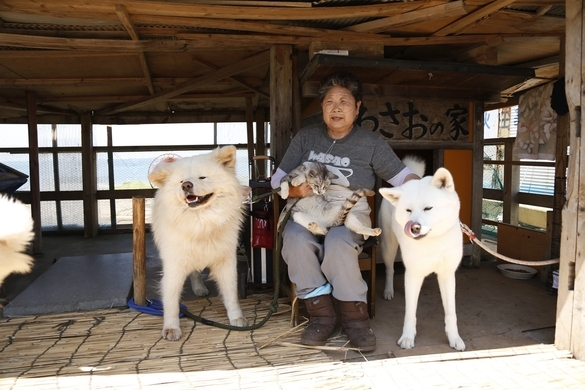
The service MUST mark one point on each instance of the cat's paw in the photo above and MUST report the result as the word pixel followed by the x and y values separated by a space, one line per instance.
pixel 316 229
pixel 298 180
pixel 284 190
pixel 376 232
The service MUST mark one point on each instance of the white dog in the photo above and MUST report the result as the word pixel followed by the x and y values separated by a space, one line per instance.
pixel 16 232
pixel 197 216
pixel 422 216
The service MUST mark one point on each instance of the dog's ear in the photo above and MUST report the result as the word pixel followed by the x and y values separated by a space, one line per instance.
pixel 392 194
pixel 159 173
pixel 442 179
pixel 226 156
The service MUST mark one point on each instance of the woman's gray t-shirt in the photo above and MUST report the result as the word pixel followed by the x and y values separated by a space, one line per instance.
pixel 356 159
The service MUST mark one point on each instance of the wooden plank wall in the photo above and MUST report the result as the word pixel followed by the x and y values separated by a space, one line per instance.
pixel 570 325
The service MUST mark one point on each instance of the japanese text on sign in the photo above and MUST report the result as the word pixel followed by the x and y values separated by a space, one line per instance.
pixel 421 120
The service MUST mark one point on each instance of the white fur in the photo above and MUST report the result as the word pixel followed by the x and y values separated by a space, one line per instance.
pixel 16 233
pixel 433 203
pixel 190 239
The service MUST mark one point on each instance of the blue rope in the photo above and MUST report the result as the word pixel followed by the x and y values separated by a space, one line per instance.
pixel 153 306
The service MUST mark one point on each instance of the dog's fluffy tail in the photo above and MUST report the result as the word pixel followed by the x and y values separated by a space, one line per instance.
pixel 16 233
pixel 416 163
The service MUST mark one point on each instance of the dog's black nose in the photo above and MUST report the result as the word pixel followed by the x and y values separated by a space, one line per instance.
pixel 187 186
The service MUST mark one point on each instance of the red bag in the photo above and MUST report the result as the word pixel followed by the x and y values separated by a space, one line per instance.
pixel 262 229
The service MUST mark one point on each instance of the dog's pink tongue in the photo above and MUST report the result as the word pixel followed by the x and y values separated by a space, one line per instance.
pixel 408 230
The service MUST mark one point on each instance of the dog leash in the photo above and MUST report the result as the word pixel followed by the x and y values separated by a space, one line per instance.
pixel 474 239
pixel 273 307
pixel 257 198
pixel 155 307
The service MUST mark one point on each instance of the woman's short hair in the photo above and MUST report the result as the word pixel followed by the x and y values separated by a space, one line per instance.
pixel 342 79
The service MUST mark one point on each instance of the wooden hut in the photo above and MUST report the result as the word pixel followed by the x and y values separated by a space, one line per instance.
pixel 439 63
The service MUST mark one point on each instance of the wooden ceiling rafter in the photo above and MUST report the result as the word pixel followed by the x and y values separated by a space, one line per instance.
pixel 234 78
pixel 220 41
pixel 226 71
pixel 181 37
pixel 472 18
pixel 102 10
pixel 131 29
pixel 451 9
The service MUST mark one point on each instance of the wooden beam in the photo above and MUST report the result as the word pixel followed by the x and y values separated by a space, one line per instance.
pixel 196 41
pixel 120 99
pixel 98 9
pixel 226 71
pixel 543 10
pixel 17 107
pixel 570 322
pixel 200 40
pixel 262 27
pixel 34 175
pixel 482 54
pixel 129 25
pixel 281 100
pixel 463 23
pixel 103 45
pixel 236 79
pixel 455 8
pixel 89 171
pixel 562 142
pixel 250 127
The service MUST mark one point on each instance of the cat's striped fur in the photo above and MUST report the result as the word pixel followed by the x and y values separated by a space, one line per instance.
pixel 318 212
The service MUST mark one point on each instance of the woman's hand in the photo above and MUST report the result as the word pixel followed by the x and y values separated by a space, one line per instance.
pixel 301 191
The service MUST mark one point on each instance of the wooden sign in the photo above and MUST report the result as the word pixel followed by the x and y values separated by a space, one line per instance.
pixel 422 120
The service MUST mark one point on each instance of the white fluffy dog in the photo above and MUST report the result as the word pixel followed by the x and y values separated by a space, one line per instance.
pixel 422 216
pixel 197 216
pixel 16 233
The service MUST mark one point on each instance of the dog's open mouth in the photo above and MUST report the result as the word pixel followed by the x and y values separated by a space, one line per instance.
pixel 196 200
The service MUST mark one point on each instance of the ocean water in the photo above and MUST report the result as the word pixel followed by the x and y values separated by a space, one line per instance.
pixel 128 168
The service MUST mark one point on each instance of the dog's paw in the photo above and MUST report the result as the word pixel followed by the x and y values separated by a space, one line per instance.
pixel 239 322
pixel 171 334
pixel 406 342
pixel 200 291
pixel 388 294
pixel 457 343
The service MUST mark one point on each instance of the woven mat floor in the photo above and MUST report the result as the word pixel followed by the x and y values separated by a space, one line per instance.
pixel 86 349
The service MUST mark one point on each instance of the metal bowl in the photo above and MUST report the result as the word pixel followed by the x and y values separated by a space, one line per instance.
pixel 515 271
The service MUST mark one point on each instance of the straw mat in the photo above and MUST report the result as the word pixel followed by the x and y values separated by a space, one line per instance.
pixel 60 350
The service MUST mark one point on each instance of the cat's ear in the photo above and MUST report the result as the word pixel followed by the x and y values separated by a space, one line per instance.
pixel 332 175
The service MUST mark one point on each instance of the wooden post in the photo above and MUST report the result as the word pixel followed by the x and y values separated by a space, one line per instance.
pixel 280 100
pixel 139 250
pixel 35 187
pixel 476 117
pixel 88 162
pixel 250 127
pixel 570 322
pixel 560 169
pixel 511 207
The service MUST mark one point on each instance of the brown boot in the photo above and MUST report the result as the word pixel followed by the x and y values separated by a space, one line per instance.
pixel 356 323
pixel 322 322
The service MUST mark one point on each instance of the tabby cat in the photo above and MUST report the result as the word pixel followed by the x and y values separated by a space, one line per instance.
pixel 319 212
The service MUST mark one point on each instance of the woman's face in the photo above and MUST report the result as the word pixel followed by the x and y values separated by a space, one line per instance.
pixel 339 109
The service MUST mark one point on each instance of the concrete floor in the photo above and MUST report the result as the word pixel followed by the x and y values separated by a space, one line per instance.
pixel 493 311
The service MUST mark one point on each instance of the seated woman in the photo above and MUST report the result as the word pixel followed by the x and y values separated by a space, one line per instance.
pixel 325 268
